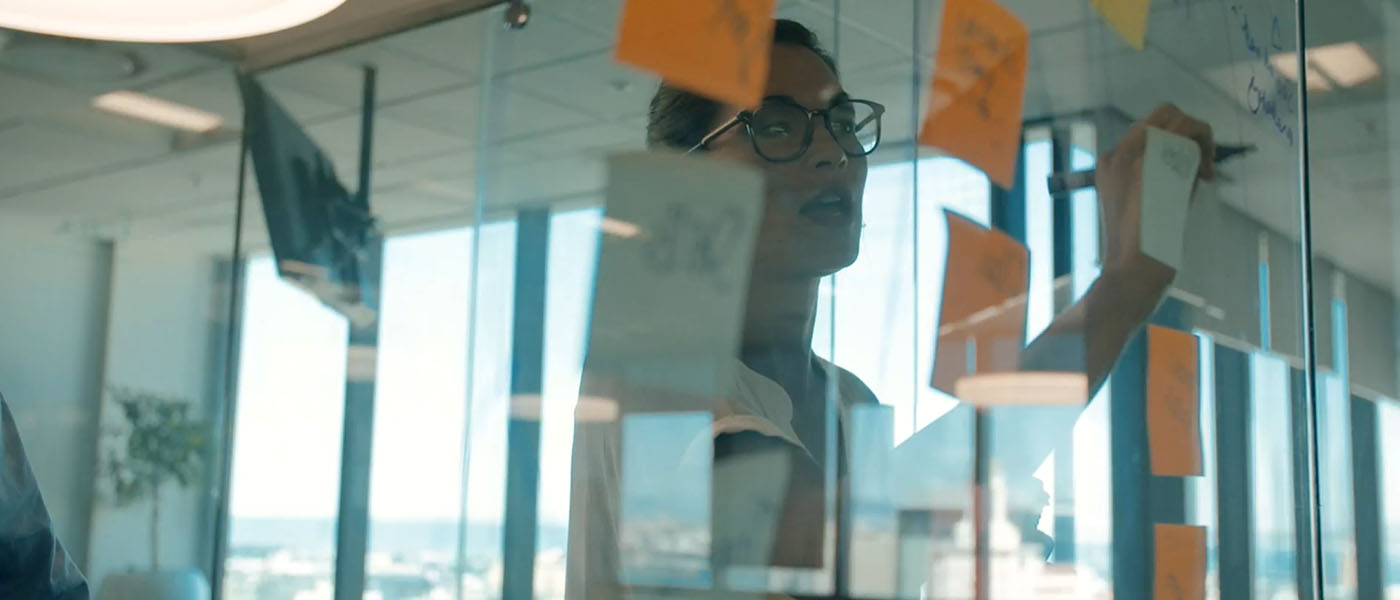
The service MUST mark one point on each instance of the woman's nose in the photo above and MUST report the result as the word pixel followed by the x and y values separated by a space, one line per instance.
pixel 825 153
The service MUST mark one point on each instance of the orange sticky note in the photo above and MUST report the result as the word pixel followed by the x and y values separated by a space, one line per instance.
pixel 982 324
pixel 1127 18
pixel 716 48
pixel 1173 406
pixel 1180 572
pixel 979 84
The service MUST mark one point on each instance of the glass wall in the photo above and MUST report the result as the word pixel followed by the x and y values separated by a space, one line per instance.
pixel 1351 149
pixel 848 410
pixel 900 299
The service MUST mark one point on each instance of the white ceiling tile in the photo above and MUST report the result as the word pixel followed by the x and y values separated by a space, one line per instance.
pixel 157 184
pixel 588 142
pixel 449 165
pixel 890 19
pixel 338 78
pixel 39 151
pixel 598 16
pixel 454 113
pixel 86 65
pixel 856 47
pixel 394 141
pixel 566 177
pixel 26 97
pixel 596 85
pixel 457 44
pixel 216 91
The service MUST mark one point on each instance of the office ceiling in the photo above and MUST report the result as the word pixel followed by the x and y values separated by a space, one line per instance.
pixel 557 104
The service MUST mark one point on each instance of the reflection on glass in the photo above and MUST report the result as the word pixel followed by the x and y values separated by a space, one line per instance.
pixel 887 348
pixel 665 529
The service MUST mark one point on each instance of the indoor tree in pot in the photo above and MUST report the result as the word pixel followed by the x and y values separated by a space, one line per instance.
pixel 159 444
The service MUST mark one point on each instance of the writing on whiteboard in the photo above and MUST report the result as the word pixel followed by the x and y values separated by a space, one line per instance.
pixel 1269 95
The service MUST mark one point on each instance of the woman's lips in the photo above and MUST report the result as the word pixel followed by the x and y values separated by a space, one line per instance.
pixel 831 207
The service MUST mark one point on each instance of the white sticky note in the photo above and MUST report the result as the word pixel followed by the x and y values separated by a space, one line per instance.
pixel 673 269
pixel 1169 166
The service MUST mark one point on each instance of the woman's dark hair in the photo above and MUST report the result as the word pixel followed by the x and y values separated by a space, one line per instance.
pixel 679 118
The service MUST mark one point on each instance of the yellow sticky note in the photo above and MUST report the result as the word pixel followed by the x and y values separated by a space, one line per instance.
pixel 1128 18
pixel 982 322
pixel 717 48
pixel 1180 553
pixel 979 84
pixel 1173 425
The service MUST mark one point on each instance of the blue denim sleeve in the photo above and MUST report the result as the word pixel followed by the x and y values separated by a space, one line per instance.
pixel 33 563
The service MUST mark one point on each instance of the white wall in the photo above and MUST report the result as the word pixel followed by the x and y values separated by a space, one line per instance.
pixel 53 299
pixel 166 320
pixel 1221 265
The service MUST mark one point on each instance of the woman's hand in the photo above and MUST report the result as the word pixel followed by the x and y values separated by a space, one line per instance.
pixel 1119 178
pixel 1131 284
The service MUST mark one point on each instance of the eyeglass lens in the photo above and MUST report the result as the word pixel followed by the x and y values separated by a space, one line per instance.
pixel 783 131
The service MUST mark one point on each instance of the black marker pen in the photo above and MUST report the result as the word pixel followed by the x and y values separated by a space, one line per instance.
pixel 1060 183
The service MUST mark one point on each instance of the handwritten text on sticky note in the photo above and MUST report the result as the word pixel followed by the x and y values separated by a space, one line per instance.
pixel 1128 18
pixel 983 317
pixel 1173 409
pixel 718 48
pixel 685 229
pixel 979 83
pixel 1180 553
pixel 1169 166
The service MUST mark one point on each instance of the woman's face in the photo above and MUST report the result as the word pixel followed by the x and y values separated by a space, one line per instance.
pixel 812 214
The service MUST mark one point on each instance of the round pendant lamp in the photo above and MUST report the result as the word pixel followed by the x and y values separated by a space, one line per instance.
pixel 160 20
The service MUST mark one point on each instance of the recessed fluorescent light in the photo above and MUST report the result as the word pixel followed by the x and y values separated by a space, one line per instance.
pixel 1347 64
pixel 1287 66
pixel 619 228
pixel 160 20
pixel 1023 388
pixel 155 110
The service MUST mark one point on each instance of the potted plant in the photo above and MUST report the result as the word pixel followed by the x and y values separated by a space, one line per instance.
pixel 159 444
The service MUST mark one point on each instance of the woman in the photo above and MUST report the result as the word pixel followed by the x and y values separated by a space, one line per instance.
pixel 810 138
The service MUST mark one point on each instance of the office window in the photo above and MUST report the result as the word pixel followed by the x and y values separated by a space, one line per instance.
pixel 290 409
pixel 1272 476
pixel 419 420
pixel 883 327
pixel 1388 440
pixel 286 462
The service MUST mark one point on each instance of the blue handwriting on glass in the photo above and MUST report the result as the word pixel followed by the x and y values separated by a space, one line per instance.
pixel 1278 93
pixel 1260 102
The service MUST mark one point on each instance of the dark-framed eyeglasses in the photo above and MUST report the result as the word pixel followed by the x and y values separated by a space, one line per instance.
pixel 781 129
